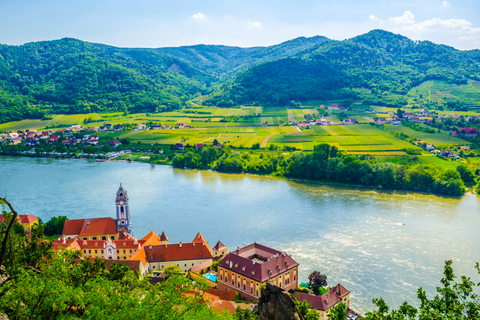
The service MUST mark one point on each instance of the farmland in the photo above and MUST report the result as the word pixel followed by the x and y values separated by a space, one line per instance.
pixel 246 126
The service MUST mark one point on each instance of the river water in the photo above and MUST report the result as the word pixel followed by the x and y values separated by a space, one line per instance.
pixel 376 244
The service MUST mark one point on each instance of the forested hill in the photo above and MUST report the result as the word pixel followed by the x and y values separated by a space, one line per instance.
pixel 378 60
pixel 73 76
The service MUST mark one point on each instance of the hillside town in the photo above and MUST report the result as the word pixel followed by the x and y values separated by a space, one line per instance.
pixel 234 277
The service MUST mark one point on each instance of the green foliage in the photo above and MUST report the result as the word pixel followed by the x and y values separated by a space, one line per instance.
pixel 339 312
pixel 38 283
pixel 380 61
pixel 453 301
pixel 55 225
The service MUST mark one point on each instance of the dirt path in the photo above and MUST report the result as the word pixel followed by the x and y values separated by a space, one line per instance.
pixel 265 141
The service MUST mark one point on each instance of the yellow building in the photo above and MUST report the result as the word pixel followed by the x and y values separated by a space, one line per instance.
pixel 26 220
pixel 247 269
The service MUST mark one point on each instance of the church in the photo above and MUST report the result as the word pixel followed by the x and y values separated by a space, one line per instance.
pixel 103 228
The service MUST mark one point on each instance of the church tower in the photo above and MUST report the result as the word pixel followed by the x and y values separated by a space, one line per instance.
pixel 123 211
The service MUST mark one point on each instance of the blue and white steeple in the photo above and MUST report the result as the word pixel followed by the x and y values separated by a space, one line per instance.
pixel 123 211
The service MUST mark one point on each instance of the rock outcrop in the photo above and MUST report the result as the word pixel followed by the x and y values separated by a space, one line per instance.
pixel 277 304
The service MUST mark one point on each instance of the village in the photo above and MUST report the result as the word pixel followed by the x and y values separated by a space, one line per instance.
pixel 234 277
pixel 109 141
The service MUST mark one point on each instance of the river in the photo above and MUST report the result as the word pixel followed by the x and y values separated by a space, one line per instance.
pixel 376 244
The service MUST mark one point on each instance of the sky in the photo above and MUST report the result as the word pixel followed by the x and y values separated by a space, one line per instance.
pixel 244 23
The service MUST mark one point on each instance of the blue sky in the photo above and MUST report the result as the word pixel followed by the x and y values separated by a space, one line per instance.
pixel 161 23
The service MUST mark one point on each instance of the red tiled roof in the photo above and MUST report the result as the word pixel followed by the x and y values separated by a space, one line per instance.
pixel 95 226
pixel 134 265
pixel 222 294
pixel 219 246
pixel 204 265
pixel 268 264
pixel 333 296
pixel 469 130
pixel 27 218
pixel 150 238
pixel 177 251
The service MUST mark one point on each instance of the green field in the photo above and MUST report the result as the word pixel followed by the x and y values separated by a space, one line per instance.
pixel 441 138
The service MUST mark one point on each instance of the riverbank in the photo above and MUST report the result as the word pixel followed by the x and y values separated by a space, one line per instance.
pixel 147 158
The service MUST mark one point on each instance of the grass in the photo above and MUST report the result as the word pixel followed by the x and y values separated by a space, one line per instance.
pixel 434 138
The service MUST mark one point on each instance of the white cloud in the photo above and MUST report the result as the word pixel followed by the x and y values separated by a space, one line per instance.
pixel 406 18
pixel 199 16
pixel 445 4
pixel 255 24
pixel 460 26
pixel 375 19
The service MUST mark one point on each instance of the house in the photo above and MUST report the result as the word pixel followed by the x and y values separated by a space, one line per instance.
pixel 280 124
pixel 141 127
pixel 248 268
pixel 118 127
pixel 184 255
pixel 53 138
pixel 324 303
pixel 464 148
pixel 180 125
pixel 150 239
pixel 369 111
pixel 157 126
pixel 333 107
pixel 454 133
pixel 166 127
pixel 349 121
pixel 104 249
pixel 446 153
pixel 26 220
pixel 114 143
pixel 396 121
pixel 219 250
pixel 199 146
pixel 380 121
pixel 178 146
pixel 429 147
pixel 469 132
pixel 415 119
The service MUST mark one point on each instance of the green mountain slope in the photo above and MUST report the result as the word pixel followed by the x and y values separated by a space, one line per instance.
pixel 73 76
pixel 378 60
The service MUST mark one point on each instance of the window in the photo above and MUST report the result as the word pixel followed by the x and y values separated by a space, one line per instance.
pixel 85 238
pixel 238 284
pixel 280 284
pixel 257 292
pixel 124 258
pixel 162 266
pixel 251 290
pixel 153 267
pixel 89 251
pixel 104 238
pixel 192 264
pixel 185 264
pixel 130 251
pixel 244 287
pixel 95 251
pixel 123 251
pixel 233 282
pixel 112 237
pixel 102 251
pixel 221 278
pixel 94 238
pixel 121 209
pixel 118 251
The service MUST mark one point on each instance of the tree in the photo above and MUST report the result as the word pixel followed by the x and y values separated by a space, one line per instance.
pixel 339 312
pixel 38 283
pixel 454 300
pixel 55 225
pixel 316 278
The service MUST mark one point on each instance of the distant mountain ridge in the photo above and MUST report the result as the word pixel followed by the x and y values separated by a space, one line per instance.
pixel 378 60
pixel 73 76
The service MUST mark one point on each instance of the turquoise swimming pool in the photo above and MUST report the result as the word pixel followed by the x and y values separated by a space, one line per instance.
pixel 210 277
